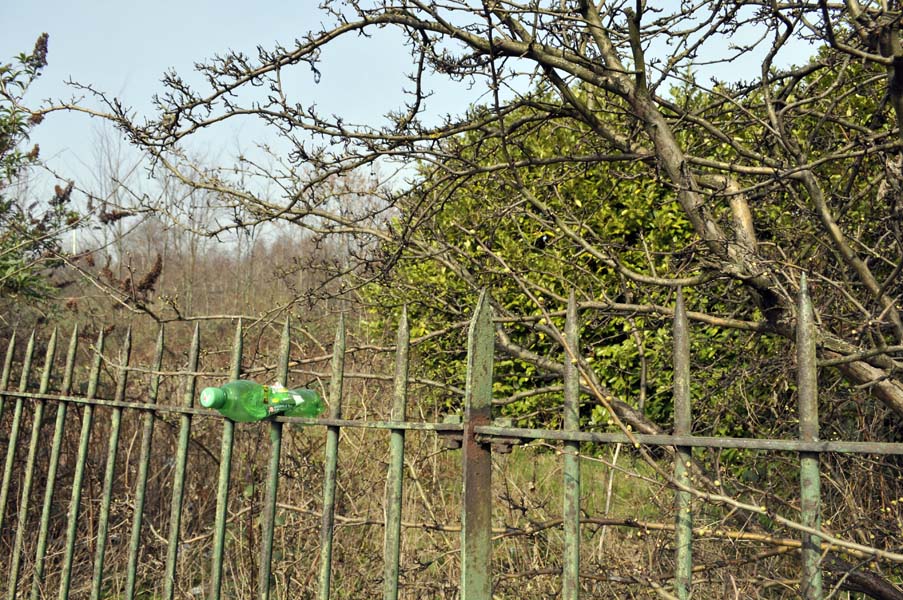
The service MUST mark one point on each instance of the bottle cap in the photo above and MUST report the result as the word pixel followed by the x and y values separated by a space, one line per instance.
pixel 213 397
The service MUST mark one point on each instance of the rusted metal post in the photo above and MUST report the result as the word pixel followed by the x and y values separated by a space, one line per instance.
pixel 476 517
pixel 810 483
pixel 327 525
pixel 395 479
pixel 570 575
pixel 683 532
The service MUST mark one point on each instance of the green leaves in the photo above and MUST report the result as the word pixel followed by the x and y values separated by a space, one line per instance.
pixel 530 235
pixel 554 209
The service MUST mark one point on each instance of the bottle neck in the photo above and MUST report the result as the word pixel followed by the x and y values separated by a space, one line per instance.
pixel 213 397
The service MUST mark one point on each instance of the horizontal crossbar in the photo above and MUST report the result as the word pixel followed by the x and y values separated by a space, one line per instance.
pixel 490 433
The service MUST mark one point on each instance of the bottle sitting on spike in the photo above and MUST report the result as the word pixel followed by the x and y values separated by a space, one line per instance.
pixel 246 401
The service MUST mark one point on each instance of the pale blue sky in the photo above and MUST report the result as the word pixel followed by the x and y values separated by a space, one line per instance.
pixel 123 48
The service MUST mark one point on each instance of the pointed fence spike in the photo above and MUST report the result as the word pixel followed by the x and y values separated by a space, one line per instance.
pixel 338 368
pixel 26 367
pixel 285 347
pixel 237 350
pixel 7 369
pixel 48 363
pixel 71 354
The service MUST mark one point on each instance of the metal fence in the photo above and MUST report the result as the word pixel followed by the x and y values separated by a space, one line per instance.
pixel 476 434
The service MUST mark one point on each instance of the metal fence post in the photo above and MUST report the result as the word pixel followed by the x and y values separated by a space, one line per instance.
pixel 268 521
pixel 327 525
pixel 225 473
pixel 570 576
pixel 683 531
pixel 147 434
pixel 476 517
pixel 395 478
pixel 36 423
pixel 55 448
pixel 78 477
pixel 810 483
pixel 181 460
pixel 14 430
pixel 110 470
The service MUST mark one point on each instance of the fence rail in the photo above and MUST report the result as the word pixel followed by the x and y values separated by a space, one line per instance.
pixel 476 434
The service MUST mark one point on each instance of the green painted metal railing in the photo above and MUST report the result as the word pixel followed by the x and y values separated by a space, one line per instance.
pixel 476 433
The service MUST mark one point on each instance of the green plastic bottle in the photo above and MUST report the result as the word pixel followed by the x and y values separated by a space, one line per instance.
pixel 246 401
